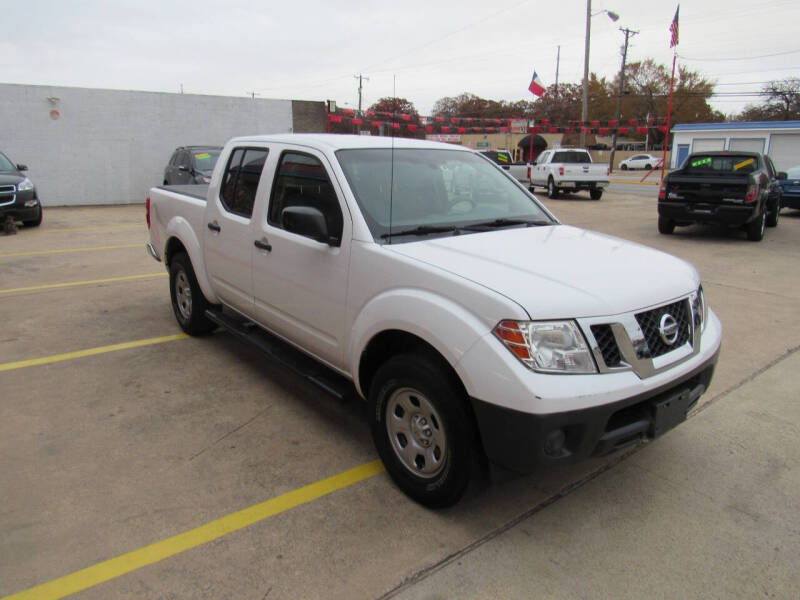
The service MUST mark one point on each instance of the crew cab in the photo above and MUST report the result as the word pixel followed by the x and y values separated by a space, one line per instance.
pixel 738 189
pixel 427 281
pixel 568 171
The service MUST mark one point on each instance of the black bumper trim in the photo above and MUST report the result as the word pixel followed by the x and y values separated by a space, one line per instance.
pixel 519 440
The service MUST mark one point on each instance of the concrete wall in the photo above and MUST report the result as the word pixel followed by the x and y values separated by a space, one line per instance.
pixel 110 147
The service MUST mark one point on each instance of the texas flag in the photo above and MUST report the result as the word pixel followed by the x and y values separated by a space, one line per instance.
pixel 536 88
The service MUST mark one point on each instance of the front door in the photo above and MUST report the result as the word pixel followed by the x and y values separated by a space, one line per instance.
pixel 229 230
pixel 300 284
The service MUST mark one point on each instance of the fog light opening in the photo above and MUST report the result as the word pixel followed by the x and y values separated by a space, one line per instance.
pixel 554 443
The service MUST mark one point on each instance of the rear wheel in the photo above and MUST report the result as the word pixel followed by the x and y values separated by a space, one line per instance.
pixel 648 167
pixel 188 302
pixel 421 429
pixel 623 167
pixel 665 225
pixel 552 190
pixel 755 228
pixel 595 194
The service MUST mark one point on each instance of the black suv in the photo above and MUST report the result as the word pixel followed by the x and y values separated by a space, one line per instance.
pixel 18 196
pixel 191 164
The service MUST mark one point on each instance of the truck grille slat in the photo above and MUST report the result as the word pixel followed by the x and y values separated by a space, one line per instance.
pixel 650 321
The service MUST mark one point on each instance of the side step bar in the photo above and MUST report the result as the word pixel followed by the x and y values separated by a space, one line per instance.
pixel 306 367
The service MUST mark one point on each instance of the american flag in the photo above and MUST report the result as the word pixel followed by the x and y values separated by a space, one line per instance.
pixel 673 29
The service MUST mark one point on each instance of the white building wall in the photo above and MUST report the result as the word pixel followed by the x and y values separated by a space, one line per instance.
pixel 110 147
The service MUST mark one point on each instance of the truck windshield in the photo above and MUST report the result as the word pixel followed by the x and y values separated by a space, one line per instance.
pixel 402 189
pixel 699 164
pixel 5 164
pixel 571 157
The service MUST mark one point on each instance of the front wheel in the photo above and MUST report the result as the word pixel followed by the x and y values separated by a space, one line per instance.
pixel 35 222
pixel 421 429
pixel 624 167
pixel 188 302
pixel 648 167
pixel 755 228
pixel 552 190
pixel 595 194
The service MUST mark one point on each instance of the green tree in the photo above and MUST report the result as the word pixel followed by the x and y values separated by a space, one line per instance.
pixel 470 105
pixel 782 102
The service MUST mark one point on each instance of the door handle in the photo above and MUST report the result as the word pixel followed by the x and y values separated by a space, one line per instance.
pixel 263 245
pixel 214 226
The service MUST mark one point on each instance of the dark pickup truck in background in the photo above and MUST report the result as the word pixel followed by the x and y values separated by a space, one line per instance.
pixel 738 189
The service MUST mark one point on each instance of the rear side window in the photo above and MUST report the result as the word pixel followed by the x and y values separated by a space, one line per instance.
pixel 240 181
pixel 709 163
pixel 302 181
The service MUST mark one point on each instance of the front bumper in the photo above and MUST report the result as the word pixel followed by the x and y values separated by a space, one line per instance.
pixel 690 212
pixel 790 200
pixel 523 441
pixel 16 206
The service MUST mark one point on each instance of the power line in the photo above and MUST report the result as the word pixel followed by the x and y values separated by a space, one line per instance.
pixel 738 58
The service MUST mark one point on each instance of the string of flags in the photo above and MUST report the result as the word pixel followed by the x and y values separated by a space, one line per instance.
pixel 414 123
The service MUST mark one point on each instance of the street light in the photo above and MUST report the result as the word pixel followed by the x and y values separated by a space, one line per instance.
pixel 585 104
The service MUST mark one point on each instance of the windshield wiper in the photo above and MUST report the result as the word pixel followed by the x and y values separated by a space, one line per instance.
pixel 506 223
pixel 421 230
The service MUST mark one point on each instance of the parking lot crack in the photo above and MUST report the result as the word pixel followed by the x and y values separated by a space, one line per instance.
pixel 230 433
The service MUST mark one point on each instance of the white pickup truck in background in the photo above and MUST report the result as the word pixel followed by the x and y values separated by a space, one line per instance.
pixel 568 171
pixel 424 279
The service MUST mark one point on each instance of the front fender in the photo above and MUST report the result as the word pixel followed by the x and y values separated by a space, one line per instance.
pixel 443 323
pixel 181 229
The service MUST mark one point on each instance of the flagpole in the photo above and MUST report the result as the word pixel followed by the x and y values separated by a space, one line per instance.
pixel 669 116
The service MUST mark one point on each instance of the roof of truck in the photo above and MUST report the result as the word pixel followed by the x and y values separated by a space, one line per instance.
pixel 335 141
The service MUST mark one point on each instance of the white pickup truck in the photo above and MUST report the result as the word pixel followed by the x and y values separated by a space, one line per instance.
pixel 568 171
pixel 429 282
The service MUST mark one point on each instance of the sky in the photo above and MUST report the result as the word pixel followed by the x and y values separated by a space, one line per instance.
pixel 422 51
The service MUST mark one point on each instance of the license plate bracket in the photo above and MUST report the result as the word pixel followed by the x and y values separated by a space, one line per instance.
pixel 671 411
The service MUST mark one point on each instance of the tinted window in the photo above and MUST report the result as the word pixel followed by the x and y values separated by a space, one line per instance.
pixel 709 163
pixel 240 180
pixel 302 181
pixel 205 160
pixel 571 157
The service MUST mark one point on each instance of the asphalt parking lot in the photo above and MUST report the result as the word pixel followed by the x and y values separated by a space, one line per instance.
pixel 138 462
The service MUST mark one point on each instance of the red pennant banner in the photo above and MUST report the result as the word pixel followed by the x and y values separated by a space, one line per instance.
pixel 455 120
pixel 641 130
pixel 394 125
pixel 461 129
pixel 348 112
pixel 662 128
pixel 622 130
pixel 412 128
pixel 553 130
pixel 428 128
pixel 334 118
pixel 376 123
pixel 613 123
pixel 603 131
pixel 633 122
pixel 439 119
pixel 445 129
pixel 358 121
pixel 504 129
pixel 405 117
pixel 370 113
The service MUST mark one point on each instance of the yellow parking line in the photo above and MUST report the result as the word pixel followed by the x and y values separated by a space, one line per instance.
pixel 158 551
pixel 634 182
pixel 46 360
pixel 68 250
pixel 51 286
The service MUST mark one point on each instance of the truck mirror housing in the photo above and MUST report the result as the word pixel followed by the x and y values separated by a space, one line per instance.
pixel 783 175
pixel 308 222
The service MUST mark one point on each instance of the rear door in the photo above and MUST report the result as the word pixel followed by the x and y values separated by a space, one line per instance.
pixel 300 284
pixel 229 230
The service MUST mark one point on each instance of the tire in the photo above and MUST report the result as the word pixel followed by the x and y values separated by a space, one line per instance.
pixel 774 216
pixel 755 228
pixel 37 221
pixel 422 429
pixel 624 167
pixel 595 194
pixel 648 167
pixel 666 226
pixel 188 302
pixel 552 190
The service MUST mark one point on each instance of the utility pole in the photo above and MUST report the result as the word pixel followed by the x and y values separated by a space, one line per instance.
pixel 558 60
pixel 360 78
pixel 585 98
pixel 628 33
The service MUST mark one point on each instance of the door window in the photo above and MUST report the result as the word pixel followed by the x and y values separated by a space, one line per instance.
pixel 301 180
pixel 240 180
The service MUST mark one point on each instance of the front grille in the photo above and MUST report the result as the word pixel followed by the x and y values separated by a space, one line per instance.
pixel 650 321
pixel 607 344
pixel 7 193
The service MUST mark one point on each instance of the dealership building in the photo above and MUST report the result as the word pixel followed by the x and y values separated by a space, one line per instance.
pixel 779 139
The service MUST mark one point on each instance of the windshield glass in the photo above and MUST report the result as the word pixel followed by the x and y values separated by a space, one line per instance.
pixel 793 173
pixel 5 164
pixel 709 163
pixel 204 161
pixel 571 157
pixel 406 188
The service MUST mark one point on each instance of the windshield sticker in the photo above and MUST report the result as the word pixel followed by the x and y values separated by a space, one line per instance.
pixel 203 155
pixel 502 157
pixel 744 163
pixel 702 161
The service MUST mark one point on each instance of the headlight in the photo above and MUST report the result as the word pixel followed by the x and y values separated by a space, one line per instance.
pixel 700 308
pixel 547 346
pixel 25 185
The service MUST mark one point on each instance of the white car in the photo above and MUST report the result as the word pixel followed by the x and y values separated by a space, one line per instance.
pixel 640 161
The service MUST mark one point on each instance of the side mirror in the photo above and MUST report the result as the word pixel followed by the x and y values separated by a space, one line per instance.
pixel 22 167
pixel 783 175
pixel 308 222
pixel 183 168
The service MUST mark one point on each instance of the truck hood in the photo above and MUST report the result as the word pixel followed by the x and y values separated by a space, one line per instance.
pixel 560 271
